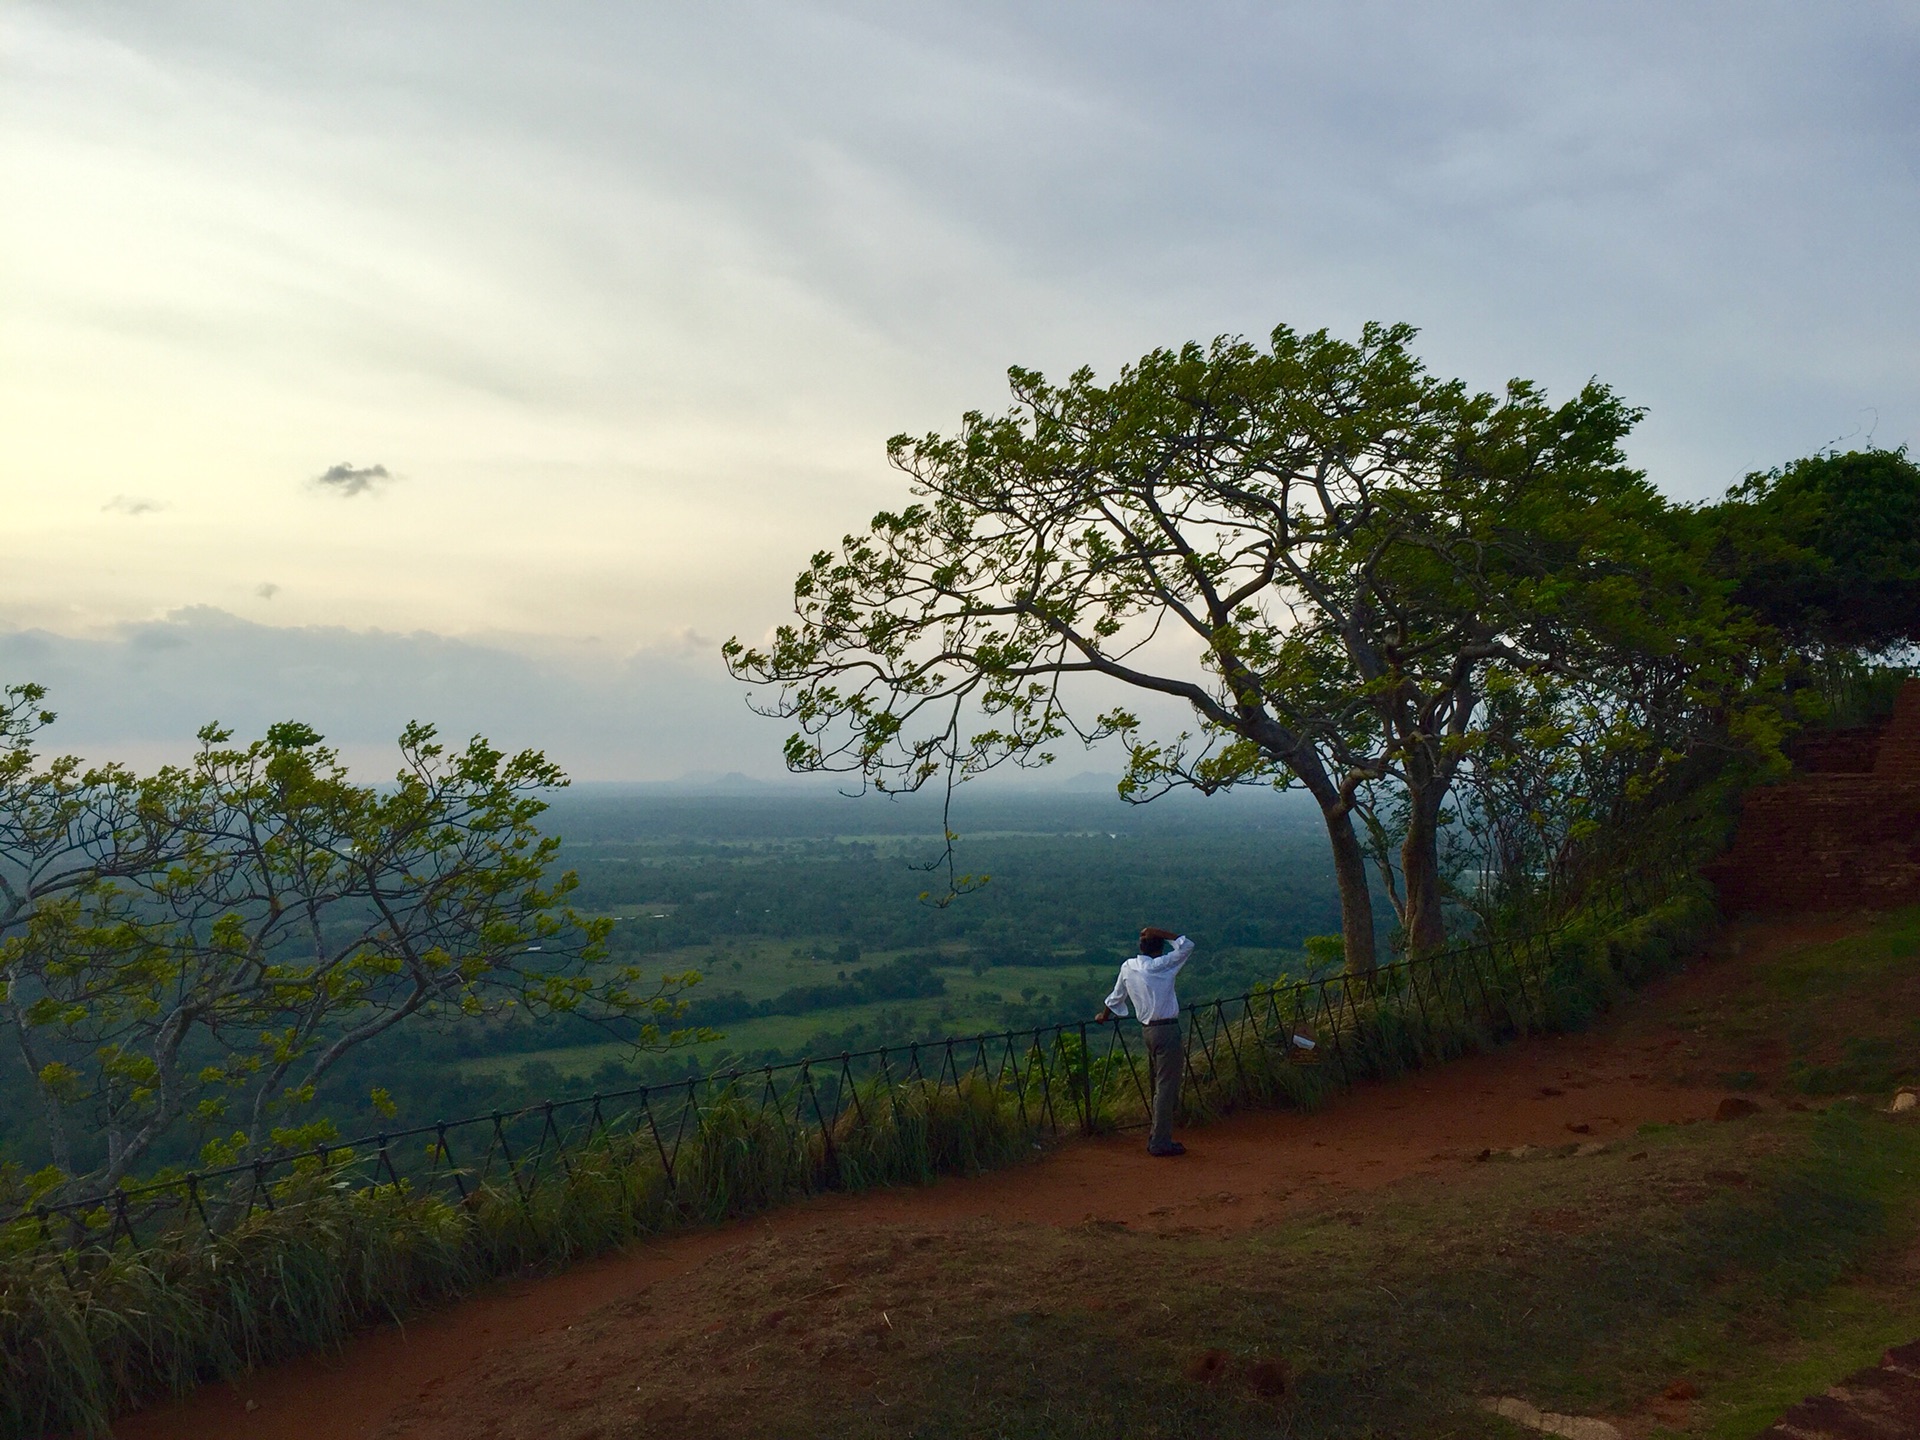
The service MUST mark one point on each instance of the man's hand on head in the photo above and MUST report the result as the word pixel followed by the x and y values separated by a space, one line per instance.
pixel 1154 932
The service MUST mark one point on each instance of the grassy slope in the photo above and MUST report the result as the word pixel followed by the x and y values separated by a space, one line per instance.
pixel 1753 1261
pixel 1818 1019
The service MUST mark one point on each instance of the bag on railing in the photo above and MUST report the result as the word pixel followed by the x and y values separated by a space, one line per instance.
pixel 1303 1044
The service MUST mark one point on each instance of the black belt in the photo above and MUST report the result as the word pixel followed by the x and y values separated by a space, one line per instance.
pixel 1171 1020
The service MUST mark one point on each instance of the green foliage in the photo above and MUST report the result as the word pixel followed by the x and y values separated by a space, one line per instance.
pixel 1827 549
pixel 1852 692
pixel 195 950
pixel 1340 557
pixel 79 1344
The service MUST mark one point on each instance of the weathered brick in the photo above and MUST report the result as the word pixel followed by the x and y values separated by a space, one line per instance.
pixel 1845 835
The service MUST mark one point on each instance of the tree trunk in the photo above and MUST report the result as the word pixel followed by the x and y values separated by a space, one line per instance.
pixel 1426 921
pixel 53 1118
pixel 1356 896
pixel 1349 861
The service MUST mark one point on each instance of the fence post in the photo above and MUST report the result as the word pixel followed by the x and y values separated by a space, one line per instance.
pixel 1086 1083
pixel 1332 1023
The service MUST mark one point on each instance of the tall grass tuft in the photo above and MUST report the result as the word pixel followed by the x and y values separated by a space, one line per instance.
pixel 84 1336
pixel 87 1335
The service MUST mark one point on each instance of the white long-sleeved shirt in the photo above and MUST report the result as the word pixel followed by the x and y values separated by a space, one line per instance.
pixel 1145 986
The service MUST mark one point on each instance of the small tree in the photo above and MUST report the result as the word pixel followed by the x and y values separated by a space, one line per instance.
pixel 1318 547
pixel 200 947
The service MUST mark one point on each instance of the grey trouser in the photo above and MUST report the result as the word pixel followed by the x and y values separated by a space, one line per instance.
pixel 1163 1069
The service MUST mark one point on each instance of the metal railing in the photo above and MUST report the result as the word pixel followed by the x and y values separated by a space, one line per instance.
pixel 861 1117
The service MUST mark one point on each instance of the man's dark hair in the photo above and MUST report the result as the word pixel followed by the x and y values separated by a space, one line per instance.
pixel 1152 945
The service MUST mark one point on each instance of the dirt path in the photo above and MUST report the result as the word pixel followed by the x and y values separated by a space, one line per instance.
pixel 1243 1172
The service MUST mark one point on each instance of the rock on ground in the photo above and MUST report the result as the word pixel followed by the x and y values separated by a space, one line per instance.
pixel 1571 1427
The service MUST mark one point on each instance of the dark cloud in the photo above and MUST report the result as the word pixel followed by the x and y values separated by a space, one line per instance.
pixel 349 479
pixel 131 505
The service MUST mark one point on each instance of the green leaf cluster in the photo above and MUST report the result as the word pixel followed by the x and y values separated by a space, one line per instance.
pixel 194 950
pixel 1825 550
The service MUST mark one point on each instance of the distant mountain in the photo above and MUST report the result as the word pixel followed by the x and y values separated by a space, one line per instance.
pixel 707 782
pixel 731 783
pixel 1006 783
pixel 1090 781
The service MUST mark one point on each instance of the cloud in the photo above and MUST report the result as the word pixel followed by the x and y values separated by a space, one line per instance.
pixel 131 505
pixel 348 479
pixel 140 690
pixel 266 589
pixel 657 281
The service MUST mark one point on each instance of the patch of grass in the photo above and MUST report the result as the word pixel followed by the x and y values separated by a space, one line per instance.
pixel 1869 1064
pixel 1750 1245
pixel 1847 1330
pixel 1830 1018
pixel 1856 963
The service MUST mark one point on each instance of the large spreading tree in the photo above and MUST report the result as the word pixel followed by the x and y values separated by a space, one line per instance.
pixel 1327 553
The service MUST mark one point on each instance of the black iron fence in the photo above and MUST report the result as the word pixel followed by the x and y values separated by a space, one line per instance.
pixel 741 1138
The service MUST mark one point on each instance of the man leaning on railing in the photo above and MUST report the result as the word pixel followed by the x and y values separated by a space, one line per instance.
pixel 1145 989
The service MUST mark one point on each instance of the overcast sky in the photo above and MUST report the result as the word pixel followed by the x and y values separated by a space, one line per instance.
pixel 491 363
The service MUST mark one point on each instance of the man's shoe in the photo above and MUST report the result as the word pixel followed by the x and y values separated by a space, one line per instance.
pixel 1172 1147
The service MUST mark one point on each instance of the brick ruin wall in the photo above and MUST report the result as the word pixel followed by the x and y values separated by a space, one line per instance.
pixel 1842 833
pixel 1836 752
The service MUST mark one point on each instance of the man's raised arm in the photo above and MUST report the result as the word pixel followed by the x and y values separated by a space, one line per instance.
pixel 1168 961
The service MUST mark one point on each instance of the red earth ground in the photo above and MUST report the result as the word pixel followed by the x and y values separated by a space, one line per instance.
pixel 1243 1172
